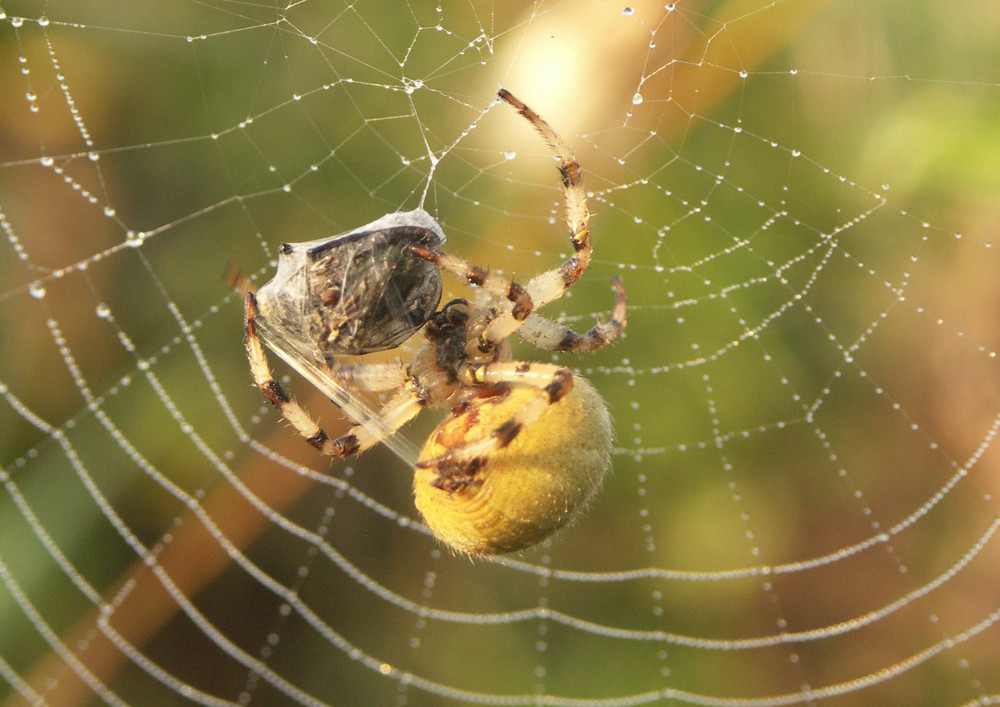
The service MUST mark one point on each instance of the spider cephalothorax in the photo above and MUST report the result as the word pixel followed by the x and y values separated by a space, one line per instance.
pixel 525 444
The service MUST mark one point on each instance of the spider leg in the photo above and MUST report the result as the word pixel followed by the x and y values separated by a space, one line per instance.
pixel 500 324
pixel 374 377
pixel 546 334
pixel 577 214
pixel 458 467
pixel 396 412
pixel 490 282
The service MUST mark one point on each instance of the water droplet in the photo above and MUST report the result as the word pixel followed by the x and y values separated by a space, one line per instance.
pixel 36 289
pixel 637 99
pixel 743 73
pixel 509 155
pixel 628 11
pixel 134 239
pixel 43 21
pixel 103 311
pixel 47 161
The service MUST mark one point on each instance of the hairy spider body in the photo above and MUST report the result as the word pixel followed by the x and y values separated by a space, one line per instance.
pixel 526 490
pixel 525 445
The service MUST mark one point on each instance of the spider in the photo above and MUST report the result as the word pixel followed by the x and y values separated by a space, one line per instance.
pixel 525 444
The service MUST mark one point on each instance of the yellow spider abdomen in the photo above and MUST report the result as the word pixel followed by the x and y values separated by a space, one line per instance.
pixel 530 488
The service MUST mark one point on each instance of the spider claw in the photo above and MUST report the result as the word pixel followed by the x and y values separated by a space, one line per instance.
pixel 275 394
pixel 508 97
pixel 562 383
pixel 347 445
pixel 452 465
pixel 318 439
pixel 452 484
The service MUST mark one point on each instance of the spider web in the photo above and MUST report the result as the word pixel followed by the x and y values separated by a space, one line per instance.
pixel 801 199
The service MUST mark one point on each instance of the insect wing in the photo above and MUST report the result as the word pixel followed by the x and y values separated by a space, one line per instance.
pixel 369 290
pixel 357 292
pixel 353 404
